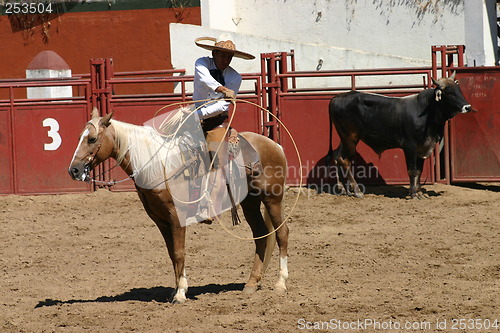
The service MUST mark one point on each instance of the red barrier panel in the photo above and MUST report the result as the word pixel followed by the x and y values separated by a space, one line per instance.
pixel 44 140
pixel 6 166
pixel 475 137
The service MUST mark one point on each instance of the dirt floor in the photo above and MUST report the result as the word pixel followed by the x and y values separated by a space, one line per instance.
pixel 96 263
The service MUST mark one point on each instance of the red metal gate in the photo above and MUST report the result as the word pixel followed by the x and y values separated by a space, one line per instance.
pixel 38 137
pixel 475 137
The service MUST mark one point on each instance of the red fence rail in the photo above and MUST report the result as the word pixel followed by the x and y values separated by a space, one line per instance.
pixel 38 136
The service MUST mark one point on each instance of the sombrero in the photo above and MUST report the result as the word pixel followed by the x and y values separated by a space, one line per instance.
pixel 223 45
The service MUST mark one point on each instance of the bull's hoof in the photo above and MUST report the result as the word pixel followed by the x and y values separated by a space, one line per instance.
pixel 356 194
pixel 418 196
pixel 248 290
pixel 339 189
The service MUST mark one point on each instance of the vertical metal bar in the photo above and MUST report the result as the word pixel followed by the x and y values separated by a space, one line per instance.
pixel 263 76
pixel 461 50
pixel 12 140
pixel 447 153
pixel 434 62
pixel 284 70
pixel 272 97
pixel 292 61
pixel 444 68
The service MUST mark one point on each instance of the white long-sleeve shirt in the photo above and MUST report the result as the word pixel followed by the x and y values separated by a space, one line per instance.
pixel 205 85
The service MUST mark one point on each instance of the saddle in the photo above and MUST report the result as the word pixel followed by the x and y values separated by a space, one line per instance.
pixel 238 144
pixel 241 155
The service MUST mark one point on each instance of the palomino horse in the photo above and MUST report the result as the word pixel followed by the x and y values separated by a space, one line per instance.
pixel 104 137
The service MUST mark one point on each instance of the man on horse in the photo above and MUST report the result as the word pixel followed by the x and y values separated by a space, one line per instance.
pixel 214 79
pixel 215 84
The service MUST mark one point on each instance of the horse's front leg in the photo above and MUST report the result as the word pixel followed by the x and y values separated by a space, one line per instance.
pixel 161 210
pixel 176 240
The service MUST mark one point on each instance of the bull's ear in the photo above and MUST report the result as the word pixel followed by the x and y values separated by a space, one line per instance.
pixel 452 77
pixel 438 94
pixel 105 121
pixel 94 113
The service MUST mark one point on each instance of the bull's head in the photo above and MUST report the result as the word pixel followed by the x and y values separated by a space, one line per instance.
pixel 448 92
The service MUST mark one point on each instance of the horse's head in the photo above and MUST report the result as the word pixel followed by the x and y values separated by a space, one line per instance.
pixel 95 146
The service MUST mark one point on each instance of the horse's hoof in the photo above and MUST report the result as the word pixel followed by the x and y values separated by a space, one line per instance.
pixel 279 290
pixel 178 301
pixel 249 290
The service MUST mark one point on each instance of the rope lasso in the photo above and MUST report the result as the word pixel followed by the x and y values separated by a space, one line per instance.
pixel 205 192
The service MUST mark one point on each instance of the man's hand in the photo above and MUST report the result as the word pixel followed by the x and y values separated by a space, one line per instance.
pixel 228 93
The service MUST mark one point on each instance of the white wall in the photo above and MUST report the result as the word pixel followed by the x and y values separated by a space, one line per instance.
pixel 345 34
pixel 481 32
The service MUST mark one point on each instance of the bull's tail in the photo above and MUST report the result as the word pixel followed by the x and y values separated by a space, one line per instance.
pixel 329 156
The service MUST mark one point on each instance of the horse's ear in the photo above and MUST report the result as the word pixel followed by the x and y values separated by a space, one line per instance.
pixel 105 121
pixel 95 113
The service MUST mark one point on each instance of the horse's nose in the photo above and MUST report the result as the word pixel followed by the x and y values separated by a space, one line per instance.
pixel 73 172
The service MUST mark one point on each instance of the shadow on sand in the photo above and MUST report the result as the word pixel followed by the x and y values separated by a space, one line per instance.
pixel 157 294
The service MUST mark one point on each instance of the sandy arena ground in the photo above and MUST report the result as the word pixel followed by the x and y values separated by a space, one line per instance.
pixel 96 263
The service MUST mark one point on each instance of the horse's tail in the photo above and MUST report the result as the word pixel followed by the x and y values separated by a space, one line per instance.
pixel 270 240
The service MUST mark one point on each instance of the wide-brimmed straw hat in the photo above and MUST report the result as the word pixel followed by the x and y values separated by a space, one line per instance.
pixel 222 45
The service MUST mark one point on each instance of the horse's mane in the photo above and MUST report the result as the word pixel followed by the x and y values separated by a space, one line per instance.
pixel 147 150
pixel 139 139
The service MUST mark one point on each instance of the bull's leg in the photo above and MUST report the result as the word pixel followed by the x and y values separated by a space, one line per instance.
pixel 275 210
pixel 336 155
pixel 415 166
pixel 348 151
pixel 251 210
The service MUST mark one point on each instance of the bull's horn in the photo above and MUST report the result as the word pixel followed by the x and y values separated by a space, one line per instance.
pixel 452 77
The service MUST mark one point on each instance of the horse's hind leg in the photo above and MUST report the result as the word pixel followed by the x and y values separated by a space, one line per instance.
pixel 251 210
pixel 274 208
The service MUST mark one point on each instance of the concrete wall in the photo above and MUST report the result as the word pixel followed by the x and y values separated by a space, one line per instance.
pixel 343 34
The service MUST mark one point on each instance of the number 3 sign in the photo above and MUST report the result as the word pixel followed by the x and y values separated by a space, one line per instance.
pixel 52 133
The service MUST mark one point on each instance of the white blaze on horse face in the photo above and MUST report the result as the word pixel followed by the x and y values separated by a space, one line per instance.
pixel 83 137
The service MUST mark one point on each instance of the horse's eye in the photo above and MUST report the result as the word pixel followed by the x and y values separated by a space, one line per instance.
pixel 92 140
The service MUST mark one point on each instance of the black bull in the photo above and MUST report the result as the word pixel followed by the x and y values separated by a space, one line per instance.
pixel 414 123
